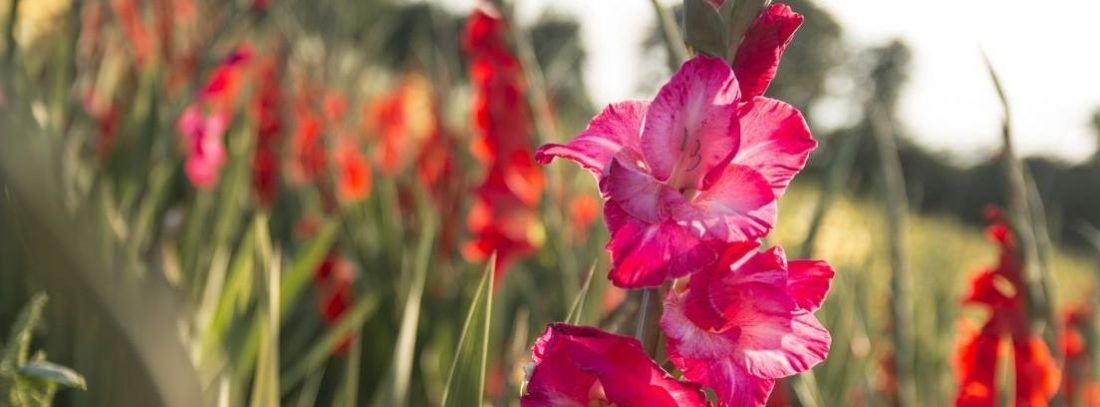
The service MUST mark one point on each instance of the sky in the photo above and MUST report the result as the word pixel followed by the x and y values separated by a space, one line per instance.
pixel 1045 53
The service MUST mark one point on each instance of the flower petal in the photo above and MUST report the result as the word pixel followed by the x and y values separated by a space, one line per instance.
pixel 775 141
pixel 577 365
pixel 763 45
pixel 708 358
pixel 808 282
pixel 645 254
pixel 691 127
pixel 777 345
pixel 619 126
pixel 739 206
pixel 634 191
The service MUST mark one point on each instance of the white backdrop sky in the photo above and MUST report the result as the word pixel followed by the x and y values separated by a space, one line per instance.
pixel 1047 54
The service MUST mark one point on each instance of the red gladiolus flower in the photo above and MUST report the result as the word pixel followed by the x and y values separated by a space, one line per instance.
pixel 140 37
pixel 353 172
pixel 1076 325
pixel 267 109
pixel 582 366
pixel 504 218
pixel 205 121
pixel 747 321
pixel 1002 290
pixel 404 120
pixel 699 167
pixel 334 282
pixel 307 144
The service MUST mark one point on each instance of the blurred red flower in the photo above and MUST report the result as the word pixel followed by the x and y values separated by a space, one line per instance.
pixel 334 282
pixel 504 218
pixel 267 111
pixel 403 119
pixel 1001 289
pixel 353 172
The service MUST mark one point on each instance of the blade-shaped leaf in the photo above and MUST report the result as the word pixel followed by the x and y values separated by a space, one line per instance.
pixel 302 267
pixel 54 373
pixel 315 358
pixel 466 382
pixel 577 309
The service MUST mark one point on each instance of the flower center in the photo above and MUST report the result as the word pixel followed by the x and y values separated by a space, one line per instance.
pixel 596 396
pixel 685 175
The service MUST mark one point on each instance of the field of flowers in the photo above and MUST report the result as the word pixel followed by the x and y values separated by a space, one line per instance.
pixel 382 203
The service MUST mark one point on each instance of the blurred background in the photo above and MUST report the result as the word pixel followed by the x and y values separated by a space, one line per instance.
pixel 298 202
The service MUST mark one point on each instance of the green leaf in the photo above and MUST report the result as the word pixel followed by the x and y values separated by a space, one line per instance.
pixel 577 309
pixel 704 30
pixel 19 340
pixel 315 358
pixel 53 373
pixel 410 320
pixel 466 382
pixel 302 267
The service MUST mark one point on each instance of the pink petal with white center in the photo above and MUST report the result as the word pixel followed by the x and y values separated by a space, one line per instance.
pixel 618 127
pixel 763 45
pixel 582 366
pixel 691 126
pixel 708 358
pixel 808 282
pixel 645 254
pixel 775 141
pixel 739 206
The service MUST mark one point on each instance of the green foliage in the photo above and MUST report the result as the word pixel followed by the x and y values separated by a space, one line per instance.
pixel 31 380
pixel 466 382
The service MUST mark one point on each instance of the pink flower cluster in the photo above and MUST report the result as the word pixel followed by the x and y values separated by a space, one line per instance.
pixel 690 182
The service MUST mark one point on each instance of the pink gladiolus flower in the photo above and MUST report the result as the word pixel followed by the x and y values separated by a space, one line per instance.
pixel 582 366
pixel 748 321
pixel 697 167
pixel 203 142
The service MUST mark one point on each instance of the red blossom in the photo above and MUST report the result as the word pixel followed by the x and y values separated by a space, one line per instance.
pixel 334 282
pixel 353 172
pixel 582 366
pixel 1001 289
pixel 504 218
pixel 267 110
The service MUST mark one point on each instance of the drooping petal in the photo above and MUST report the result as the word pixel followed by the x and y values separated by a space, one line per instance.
pixel 763 45
pixel 645 254
pixel 808 282
pixel 691 126
pixel 619 126
pixel 775 141
pixel 584 366
pixel 739 206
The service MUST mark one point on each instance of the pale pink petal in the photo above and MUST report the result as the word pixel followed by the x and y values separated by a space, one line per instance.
pixel 190 123
pixel 739 206
pixel 619 126
pixel 809 282
pixel 763 45
pixel 775 141
pixel 645 255
pixel 691 126
pixel 775 345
